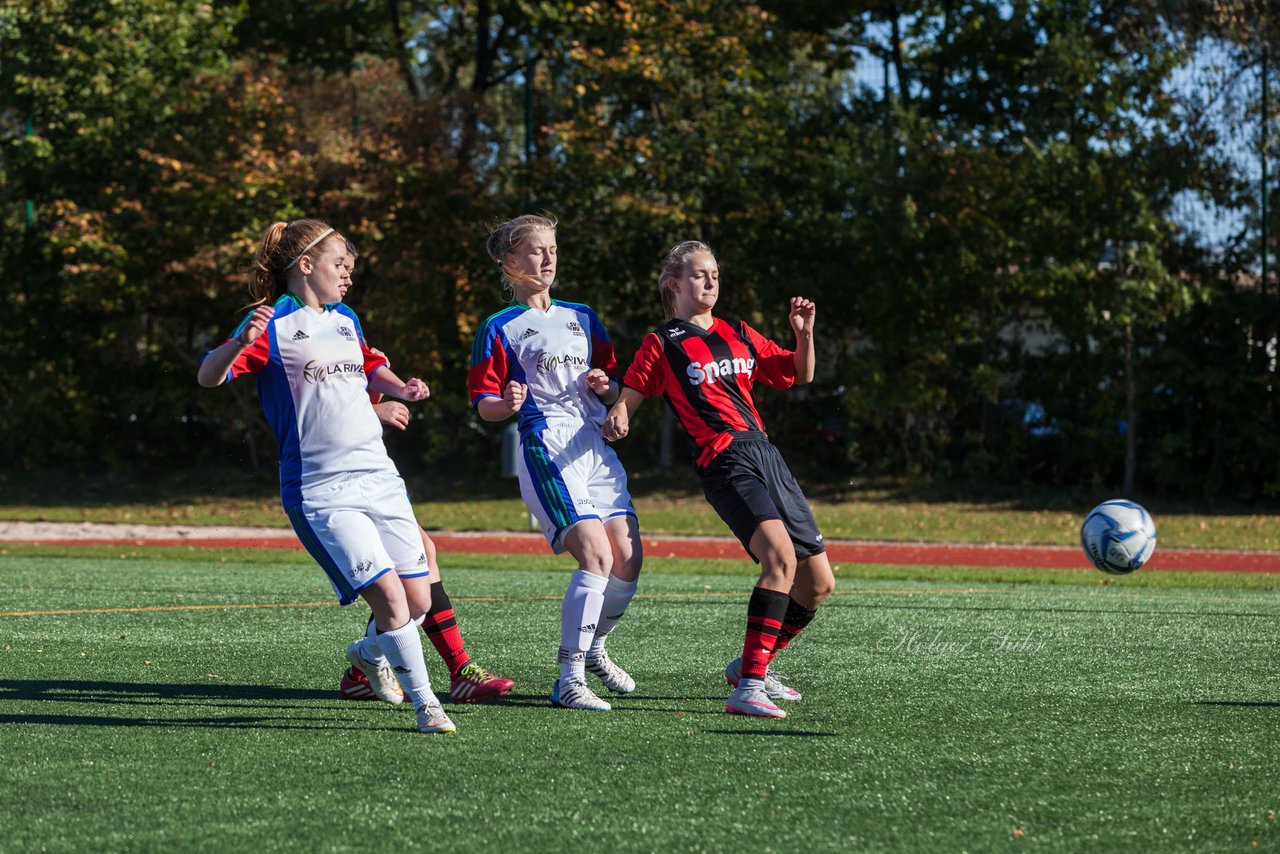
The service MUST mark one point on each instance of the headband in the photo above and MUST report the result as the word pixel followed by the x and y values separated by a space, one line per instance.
pixel 322 236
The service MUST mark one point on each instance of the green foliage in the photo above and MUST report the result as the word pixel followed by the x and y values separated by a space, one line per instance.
pixel 983 236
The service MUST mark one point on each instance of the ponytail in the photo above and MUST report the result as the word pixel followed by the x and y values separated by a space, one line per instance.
pixel 283 244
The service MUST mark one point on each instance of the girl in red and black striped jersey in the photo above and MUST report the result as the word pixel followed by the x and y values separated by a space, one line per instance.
pixel 706 368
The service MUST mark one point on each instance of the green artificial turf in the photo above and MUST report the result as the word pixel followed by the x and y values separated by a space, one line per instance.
pixel 655 565
pixel 936 716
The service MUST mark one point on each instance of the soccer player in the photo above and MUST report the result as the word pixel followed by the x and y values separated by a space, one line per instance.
pixel 706 368
pixel 468 681
pixel 549 362
pixel 340 490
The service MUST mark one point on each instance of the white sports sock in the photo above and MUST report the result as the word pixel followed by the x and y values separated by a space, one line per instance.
pixel 617 596
pixel 579 614
pixel 369 649
pixel 403 648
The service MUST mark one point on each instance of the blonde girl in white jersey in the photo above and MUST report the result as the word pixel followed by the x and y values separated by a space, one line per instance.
pixel 339 488
pixel 551 363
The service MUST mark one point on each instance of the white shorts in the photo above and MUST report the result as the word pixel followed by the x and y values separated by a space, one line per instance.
pixel 571 474
pixel 360 528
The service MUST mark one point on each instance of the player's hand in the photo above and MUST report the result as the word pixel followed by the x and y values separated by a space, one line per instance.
pixel 381 355
pixel 393 413
pixel 597 380
pixel 414 389
pixel 514 394
pixel 802 315
pixel 616 426
pixel 256 326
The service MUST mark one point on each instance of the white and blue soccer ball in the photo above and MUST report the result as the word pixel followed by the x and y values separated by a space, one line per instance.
pixel 1118 536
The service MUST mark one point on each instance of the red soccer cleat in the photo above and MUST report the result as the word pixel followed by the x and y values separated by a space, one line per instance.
pixel 355 686
pixel 473 684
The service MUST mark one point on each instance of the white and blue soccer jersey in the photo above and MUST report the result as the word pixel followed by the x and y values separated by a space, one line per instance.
pixel 313 369
pixel 567 471
pixel 549 351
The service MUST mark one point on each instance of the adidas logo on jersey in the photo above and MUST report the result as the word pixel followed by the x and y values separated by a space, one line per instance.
pixel 300 336
pixel 573 327
pixel 709 372
pixel 528 333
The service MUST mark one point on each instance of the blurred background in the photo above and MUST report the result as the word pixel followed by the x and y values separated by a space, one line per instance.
pixel 1040 234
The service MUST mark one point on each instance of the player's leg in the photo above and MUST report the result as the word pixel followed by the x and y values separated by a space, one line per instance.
pixel 736 486
pixel 814 583
pixel 814 580
pixel 765 612
pixel 468 681
pixel 344 542
pixel 554 470
pixel 624 540
pixel 401 536
pixel 397 639
pixel 587 541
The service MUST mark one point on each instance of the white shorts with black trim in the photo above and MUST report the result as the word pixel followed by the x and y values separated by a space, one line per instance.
pixel 571 474
pixel 359 528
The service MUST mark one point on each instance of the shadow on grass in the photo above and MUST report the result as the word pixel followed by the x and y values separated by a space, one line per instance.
pixel 183 699
pixel 1240 704
pixel 285 724
pixel 64 691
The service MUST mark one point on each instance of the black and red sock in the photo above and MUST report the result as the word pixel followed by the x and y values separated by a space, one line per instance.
pixel 766 611
pixel 442 630
pixel 793 623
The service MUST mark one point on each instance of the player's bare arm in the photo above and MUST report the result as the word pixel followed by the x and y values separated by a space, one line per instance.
pixel 213 370
pixel 498 408
pixel 385 382
pixel 802 315
pixel 393 413
pixel 603 387
pixel 618 423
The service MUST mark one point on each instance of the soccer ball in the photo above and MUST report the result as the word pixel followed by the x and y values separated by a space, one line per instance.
pixel 1118 536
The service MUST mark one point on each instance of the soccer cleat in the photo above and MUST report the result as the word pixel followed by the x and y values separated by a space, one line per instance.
pixel 382 679
pixel 614 677
pixel 752 699
pixel 772 684
pixel 575 694
pixel 354 685
pixel 431 718
pixel 473 684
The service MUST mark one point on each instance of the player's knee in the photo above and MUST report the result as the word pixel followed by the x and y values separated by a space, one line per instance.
pixel 822 588
pixel 778 564
pixel 627 569
pixel 597 562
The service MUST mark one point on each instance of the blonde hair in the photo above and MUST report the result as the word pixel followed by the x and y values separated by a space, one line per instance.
pixel 506 236
pixel 282 245
pixel 673 267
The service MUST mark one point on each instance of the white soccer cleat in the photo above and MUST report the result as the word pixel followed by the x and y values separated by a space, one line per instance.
pixel 772 684
pixel 382 679
pixel 751 699
pixel 614 677
pixel 431 718
pixel 574 694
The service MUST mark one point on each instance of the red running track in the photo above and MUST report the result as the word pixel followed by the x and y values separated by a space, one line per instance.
pixel 839 551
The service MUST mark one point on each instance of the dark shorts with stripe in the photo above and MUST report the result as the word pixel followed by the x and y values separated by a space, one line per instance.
pixel 749 483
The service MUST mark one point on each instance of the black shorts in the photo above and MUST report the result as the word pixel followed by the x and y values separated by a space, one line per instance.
pixel 749 483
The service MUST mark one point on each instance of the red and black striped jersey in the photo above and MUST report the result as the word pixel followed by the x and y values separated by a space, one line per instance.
pixel 706 375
